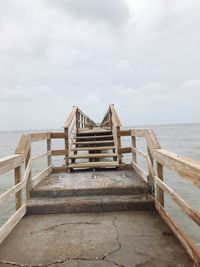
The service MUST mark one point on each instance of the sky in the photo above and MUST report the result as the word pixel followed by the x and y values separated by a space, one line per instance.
pixel 143 56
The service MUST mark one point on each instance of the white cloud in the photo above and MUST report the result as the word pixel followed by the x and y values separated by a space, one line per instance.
pixel 143 56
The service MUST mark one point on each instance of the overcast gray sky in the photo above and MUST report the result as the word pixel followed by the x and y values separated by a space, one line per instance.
pixel 141 55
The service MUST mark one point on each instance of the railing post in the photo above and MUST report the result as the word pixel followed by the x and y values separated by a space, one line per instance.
pixel 66 147
pixel 28 185
pixel 119 144
pixel 150 179
pixel 133 142
pixel 49 157
pixel 159 191
pixel 18 195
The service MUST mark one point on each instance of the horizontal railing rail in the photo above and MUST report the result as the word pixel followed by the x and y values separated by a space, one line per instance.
pixel 157 159
pixel 155 156
pixel 111 120
pixel 21 163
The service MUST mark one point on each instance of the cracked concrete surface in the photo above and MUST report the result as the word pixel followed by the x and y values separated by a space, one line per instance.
pixel 110 239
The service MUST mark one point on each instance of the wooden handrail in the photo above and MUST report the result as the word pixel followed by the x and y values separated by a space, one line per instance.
pixel 70 117
pixel 185 167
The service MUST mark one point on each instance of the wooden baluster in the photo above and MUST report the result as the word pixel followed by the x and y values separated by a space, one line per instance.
pixel 49 157
pixel 18 195
pixel 159 191
pixel 134 156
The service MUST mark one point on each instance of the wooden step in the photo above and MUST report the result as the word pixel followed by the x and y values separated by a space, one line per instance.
pixel 95 137
pixel 98 155
pixel 94 142
pixel 98 164
pixel 92 133
pixel 95 148
pixel 91 203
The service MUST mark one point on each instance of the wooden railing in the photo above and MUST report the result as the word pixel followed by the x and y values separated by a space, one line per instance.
pixel 111 120
pixel 157 159
pixel 21 163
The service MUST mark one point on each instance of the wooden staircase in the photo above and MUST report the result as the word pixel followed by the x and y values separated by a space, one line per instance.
pixel 93 148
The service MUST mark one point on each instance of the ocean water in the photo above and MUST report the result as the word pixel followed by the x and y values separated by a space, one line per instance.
pixel 183 139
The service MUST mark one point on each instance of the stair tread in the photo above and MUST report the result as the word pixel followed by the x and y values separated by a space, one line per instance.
pixel 93 148
pixel 94 164
pixel 98 155
pixel 94 142
pixel 94 137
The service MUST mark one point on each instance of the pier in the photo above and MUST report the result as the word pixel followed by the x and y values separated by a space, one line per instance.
pixel 95 209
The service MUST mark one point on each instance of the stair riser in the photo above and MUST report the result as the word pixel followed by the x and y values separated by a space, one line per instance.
pixel 94 144
pixel 85 139
pixel 86 192
pixel 94 207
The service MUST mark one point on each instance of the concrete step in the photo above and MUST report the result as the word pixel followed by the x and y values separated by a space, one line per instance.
pixel 100 203
pixel 90 190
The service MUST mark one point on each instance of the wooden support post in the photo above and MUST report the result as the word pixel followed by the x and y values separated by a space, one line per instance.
pixel 119 144
pixel 18 195
pixel 150 179
pixel 134 156
pixel 49 157
pixel 66 147
pixel 159 191
pixel 28 185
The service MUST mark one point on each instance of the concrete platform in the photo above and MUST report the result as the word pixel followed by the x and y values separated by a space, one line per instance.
pixel 129 239
pixel 115 182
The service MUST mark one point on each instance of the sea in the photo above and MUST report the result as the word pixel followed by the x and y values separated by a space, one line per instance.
pixel 182 139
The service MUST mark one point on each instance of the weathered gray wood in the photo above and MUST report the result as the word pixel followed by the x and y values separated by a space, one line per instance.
pixel 12 222
pixel 9 163
pixel 38 178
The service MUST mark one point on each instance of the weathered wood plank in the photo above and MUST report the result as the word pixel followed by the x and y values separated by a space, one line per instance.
pixel 187 244
pixel 71 116
pixel 60 152
pixel 41 156
pixel 58 135
pixel 139 132
pixel 124 150
pixel 14 189
pixel 94 164
pixel 18 195
pixel 24 145
pixel 98 155
pixel 159 191
pixel 38 178
pixel 125 132
pixel 9 163
pixel 139 152
pixel 194 215
pixel 35 137
pixel 58 169
pixel 12 222
pixel 115 118
pixel 185 167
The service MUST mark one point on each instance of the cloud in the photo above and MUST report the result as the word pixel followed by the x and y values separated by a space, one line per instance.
pixel 113 12
pixel 141 56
